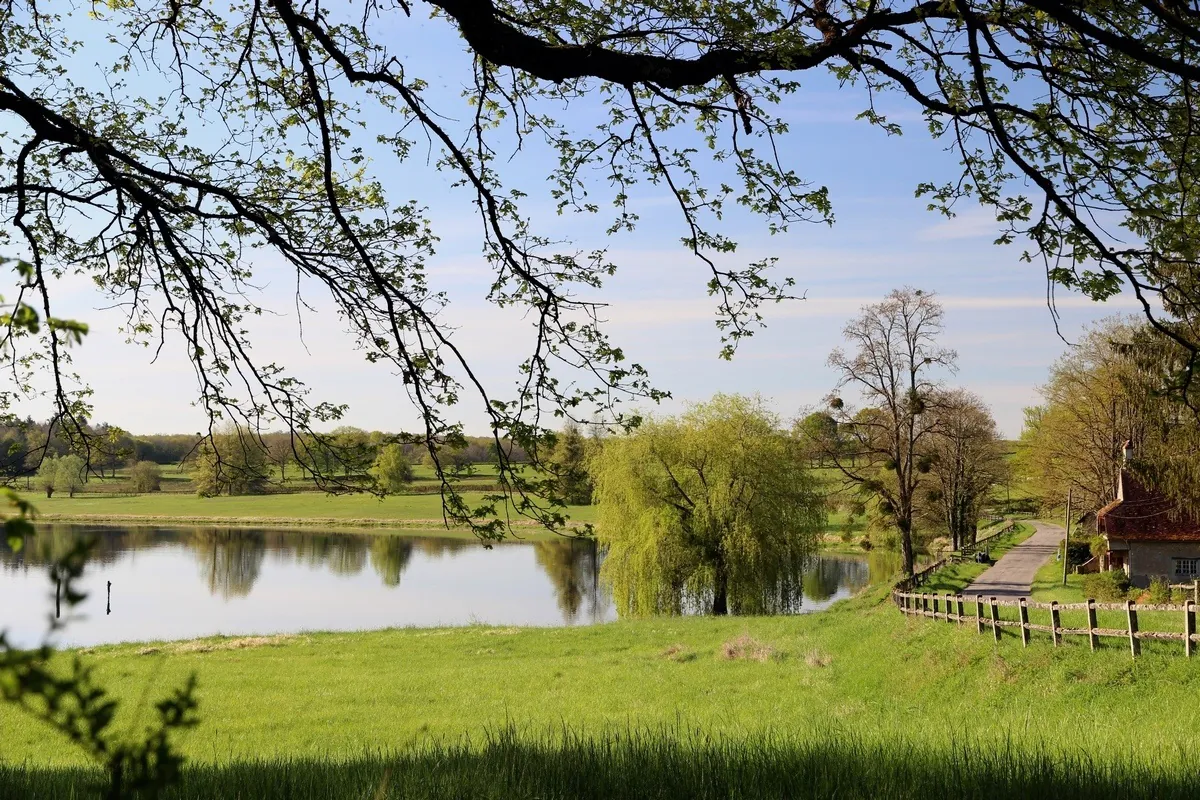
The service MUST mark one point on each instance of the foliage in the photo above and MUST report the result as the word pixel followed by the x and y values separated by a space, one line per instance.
pixel 964 462
pixel 1160 591
pixel 1110 586
pixel 391 470
pixel 46 474
pixel 231 462
pixel 1073 441
pixel 146 476
pixel 568 464
pixel 1074 126
pixel 70 473
pixel 880 447
pixel 818 433
pixel 1077 552
pixel 713 509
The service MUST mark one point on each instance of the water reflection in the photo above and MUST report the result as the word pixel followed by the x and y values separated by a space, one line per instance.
pixel 574 569
pixel 185 582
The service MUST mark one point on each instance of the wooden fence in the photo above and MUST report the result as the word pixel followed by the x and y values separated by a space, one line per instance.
pixel 967 554
pixel 927 605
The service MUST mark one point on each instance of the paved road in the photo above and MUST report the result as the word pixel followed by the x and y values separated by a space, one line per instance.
pixel 1012 575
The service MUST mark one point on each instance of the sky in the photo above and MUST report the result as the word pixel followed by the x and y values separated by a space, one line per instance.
pixel 997 317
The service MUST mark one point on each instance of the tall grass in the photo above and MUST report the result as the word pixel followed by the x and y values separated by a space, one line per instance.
pixel 665 764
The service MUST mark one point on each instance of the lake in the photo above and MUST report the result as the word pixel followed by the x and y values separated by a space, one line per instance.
pixel 180 583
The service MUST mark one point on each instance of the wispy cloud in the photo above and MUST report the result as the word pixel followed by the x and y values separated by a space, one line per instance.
pixel 974 223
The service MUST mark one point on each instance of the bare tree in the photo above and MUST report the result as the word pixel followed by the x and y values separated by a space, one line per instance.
pixel 894 353
pixel 965 462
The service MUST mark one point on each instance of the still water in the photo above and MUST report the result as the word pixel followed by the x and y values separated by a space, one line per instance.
pixel 179 583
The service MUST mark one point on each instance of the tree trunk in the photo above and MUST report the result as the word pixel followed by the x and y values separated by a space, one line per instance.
pixel 720 604
pixel 906 546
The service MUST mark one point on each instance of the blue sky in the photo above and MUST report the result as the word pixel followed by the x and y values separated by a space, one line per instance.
pixel 996 314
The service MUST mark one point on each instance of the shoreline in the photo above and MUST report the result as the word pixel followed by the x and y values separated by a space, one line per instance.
pixel 425 527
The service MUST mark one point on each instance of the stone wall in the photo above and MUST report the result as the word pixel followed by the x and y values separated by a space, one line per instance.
pixel 1153 559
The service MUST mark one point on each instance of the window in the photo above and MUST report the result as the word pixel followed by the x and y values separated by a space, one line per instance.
pixel 1186 567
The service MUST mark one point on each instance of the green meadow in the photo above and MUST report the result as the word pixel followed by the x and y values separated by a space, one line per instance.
pixel 857 699
pixel 311 508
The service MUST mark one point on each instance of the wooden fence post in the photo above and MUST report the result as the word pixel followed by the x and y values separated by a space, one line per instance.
pixel 1024 609
pixel 1054 625
pixel 979 613
pixel 1093 639
pixel 1196 590
pixel 1189 626
pixel 1135 647
pixel 949 606
pixel 995 615
pixel 959 602
pixel 924 604
pixel 935 605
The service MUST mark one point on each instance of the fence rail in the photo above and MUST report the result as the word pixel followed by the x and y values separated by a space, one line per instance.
pixel 926 604
pixel 919 578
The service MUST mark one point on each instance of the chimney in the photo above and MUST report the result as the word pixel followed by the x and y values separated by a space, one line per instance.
pixel 1127 452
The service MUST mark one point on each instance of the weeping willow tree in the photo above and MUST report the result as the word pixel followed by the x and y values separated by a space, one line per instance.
pixel 713 509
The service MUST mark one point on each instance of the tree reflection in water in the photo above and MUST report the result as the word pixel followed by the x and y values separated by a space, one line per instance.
pixel 229 560
pixel 574 569
pixel 390 556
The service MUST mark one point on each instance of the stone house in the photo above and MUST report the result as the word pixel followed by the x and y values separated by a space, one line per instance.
pixel 1147 535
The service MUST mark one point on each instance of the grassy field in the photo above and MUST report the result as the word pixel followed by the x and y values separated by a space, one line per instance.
pixel 858 700
pixel 305 507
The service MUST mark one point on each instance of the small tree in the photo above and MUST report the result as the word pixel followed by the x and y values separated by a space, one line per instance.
pixel 392 470
pixel 47 472
pixel 231 462
pixel 714 507
pixel 69 474
pixel 568 463
pixel 817 433
pixel 965 462
pixel 146 476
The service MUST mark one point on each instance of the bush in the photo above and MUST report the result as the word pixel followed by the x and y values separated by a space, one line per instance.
pixel 1077 553
pixel 1098 545
pixel 146 476
pixel 1160 591
pixel 1111 586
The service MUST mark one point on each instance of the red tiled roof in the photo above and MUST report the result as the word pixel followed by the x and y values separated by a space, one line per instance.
pixel 1144 515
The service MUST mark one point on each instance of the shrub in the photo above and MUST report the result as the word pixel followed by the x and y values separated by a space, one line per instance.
pixel 1098 546
pixel 1110 586
pixel 146 476
pixel 1077 553
pixel 1160 591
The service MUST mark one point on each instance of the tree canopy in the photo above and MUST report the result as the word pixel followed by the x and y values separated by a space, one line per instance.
pixel 1120 383
pixel 965 463
pixel 892 367
pixel 712 509
pixel 160 149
